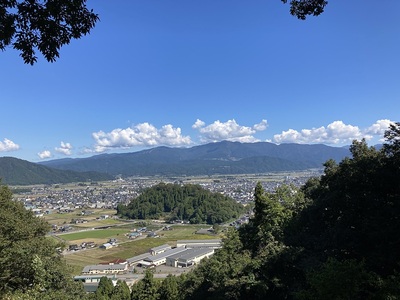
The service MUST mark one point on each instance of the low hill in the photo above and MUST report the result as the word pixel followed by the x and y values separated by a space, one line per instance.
pixel 188 202
pixel 14 171
pixel 209 159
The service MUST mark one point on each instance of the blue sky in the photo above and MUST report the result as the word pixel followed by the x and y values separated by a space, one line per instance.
pixel 182 73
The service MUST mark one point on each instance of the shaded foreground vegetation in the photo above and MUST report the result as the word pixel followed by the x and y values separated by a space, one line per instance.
pixel 334 238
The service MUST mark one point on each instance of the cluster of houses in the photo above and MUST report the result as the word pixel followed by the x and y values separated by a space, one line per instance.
pixel 83 245
pixel 46 199
pixel 187 253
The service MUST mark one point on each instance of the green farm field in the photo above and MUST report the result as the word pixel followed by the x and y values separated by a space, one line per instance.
pixel 94 234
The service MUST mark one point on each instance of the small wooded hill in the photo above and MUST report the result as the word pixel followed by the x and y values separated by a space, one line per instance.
pixel 188 202
pixel 14 171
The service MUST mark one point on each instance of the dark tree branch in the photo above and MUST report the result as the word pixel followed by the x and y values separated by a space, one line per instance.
pixel 303 8
pixel 43 25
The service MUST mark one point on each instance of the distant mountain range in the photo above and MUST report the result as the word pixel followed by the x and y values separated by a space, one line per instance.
pixel 14 171
pixel 209 159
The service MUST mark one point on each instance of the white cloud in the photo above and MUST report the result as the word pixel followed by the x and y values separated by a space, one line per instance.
pixel 8 145
pixel 379 127
pixel 143 134
pixel 198 124
pixel 335 133
pixel 87 150
pixel 44 154
pixel 261 126
pixel 64 149
pixel 230 130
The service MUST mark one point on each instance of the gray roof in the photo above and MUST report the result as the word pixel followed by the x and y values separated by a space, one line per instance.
pixel 165 254
pixel 191 253
pixel 137 258
pixel 162 247
pixel 89 268
pixel 210 241
pixel 204 245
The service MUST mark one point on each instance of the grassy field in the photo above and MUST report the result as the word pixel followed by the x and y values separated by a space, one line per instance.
pixel 65 218
pixel 94 234
pixel 128 248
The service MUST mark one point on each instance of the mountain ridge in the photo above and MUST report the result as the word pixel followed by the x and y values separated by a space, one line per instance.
pixel 209 159
pixel 15 171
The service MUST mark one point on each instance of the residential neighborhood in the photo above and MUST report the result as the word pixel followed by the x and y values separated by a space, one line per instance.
pixel 47 199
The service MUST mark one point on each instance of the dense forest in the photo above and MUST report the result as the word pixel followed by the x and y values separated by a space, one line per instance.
pixel 336 237
pixel 181 202
pixel 30 266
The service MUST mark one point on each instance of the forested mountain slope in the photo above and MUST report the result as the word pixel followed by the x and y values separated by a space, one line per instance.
pixel 16 171
pixel 214 158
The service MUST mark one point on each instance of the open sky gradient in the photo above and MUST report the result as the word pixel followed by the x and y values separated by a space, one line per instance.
pixel 182 73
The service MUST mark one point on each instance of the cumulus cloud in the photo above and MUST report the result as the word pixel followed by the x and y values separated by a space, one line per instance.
pixel 143 134
pixel 44 154
pixel 379 127
pixel 198 124
pixel 261 126
pixel 335 133
pixel 8 145
pixel 229 130
pixel 66 148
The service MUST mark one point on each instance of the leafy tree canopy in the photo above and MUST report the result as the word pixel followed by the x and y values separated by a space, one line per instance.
pixel 30 267
pixel 303 8
pixel 43 25
pixel 188 202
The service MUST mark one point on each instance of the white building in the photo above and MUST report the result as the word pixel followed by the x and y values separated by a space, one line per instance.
pixel 106 246
pixel 211 243
pixel 105 269
pixel 160 249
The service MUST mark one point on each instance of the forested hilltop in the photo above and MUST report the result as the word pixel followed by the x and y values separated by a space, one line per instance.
pixel 181 202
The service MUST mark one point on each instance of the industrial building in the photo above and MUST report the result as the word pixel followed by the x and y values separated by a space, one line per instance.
pixel 189 257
